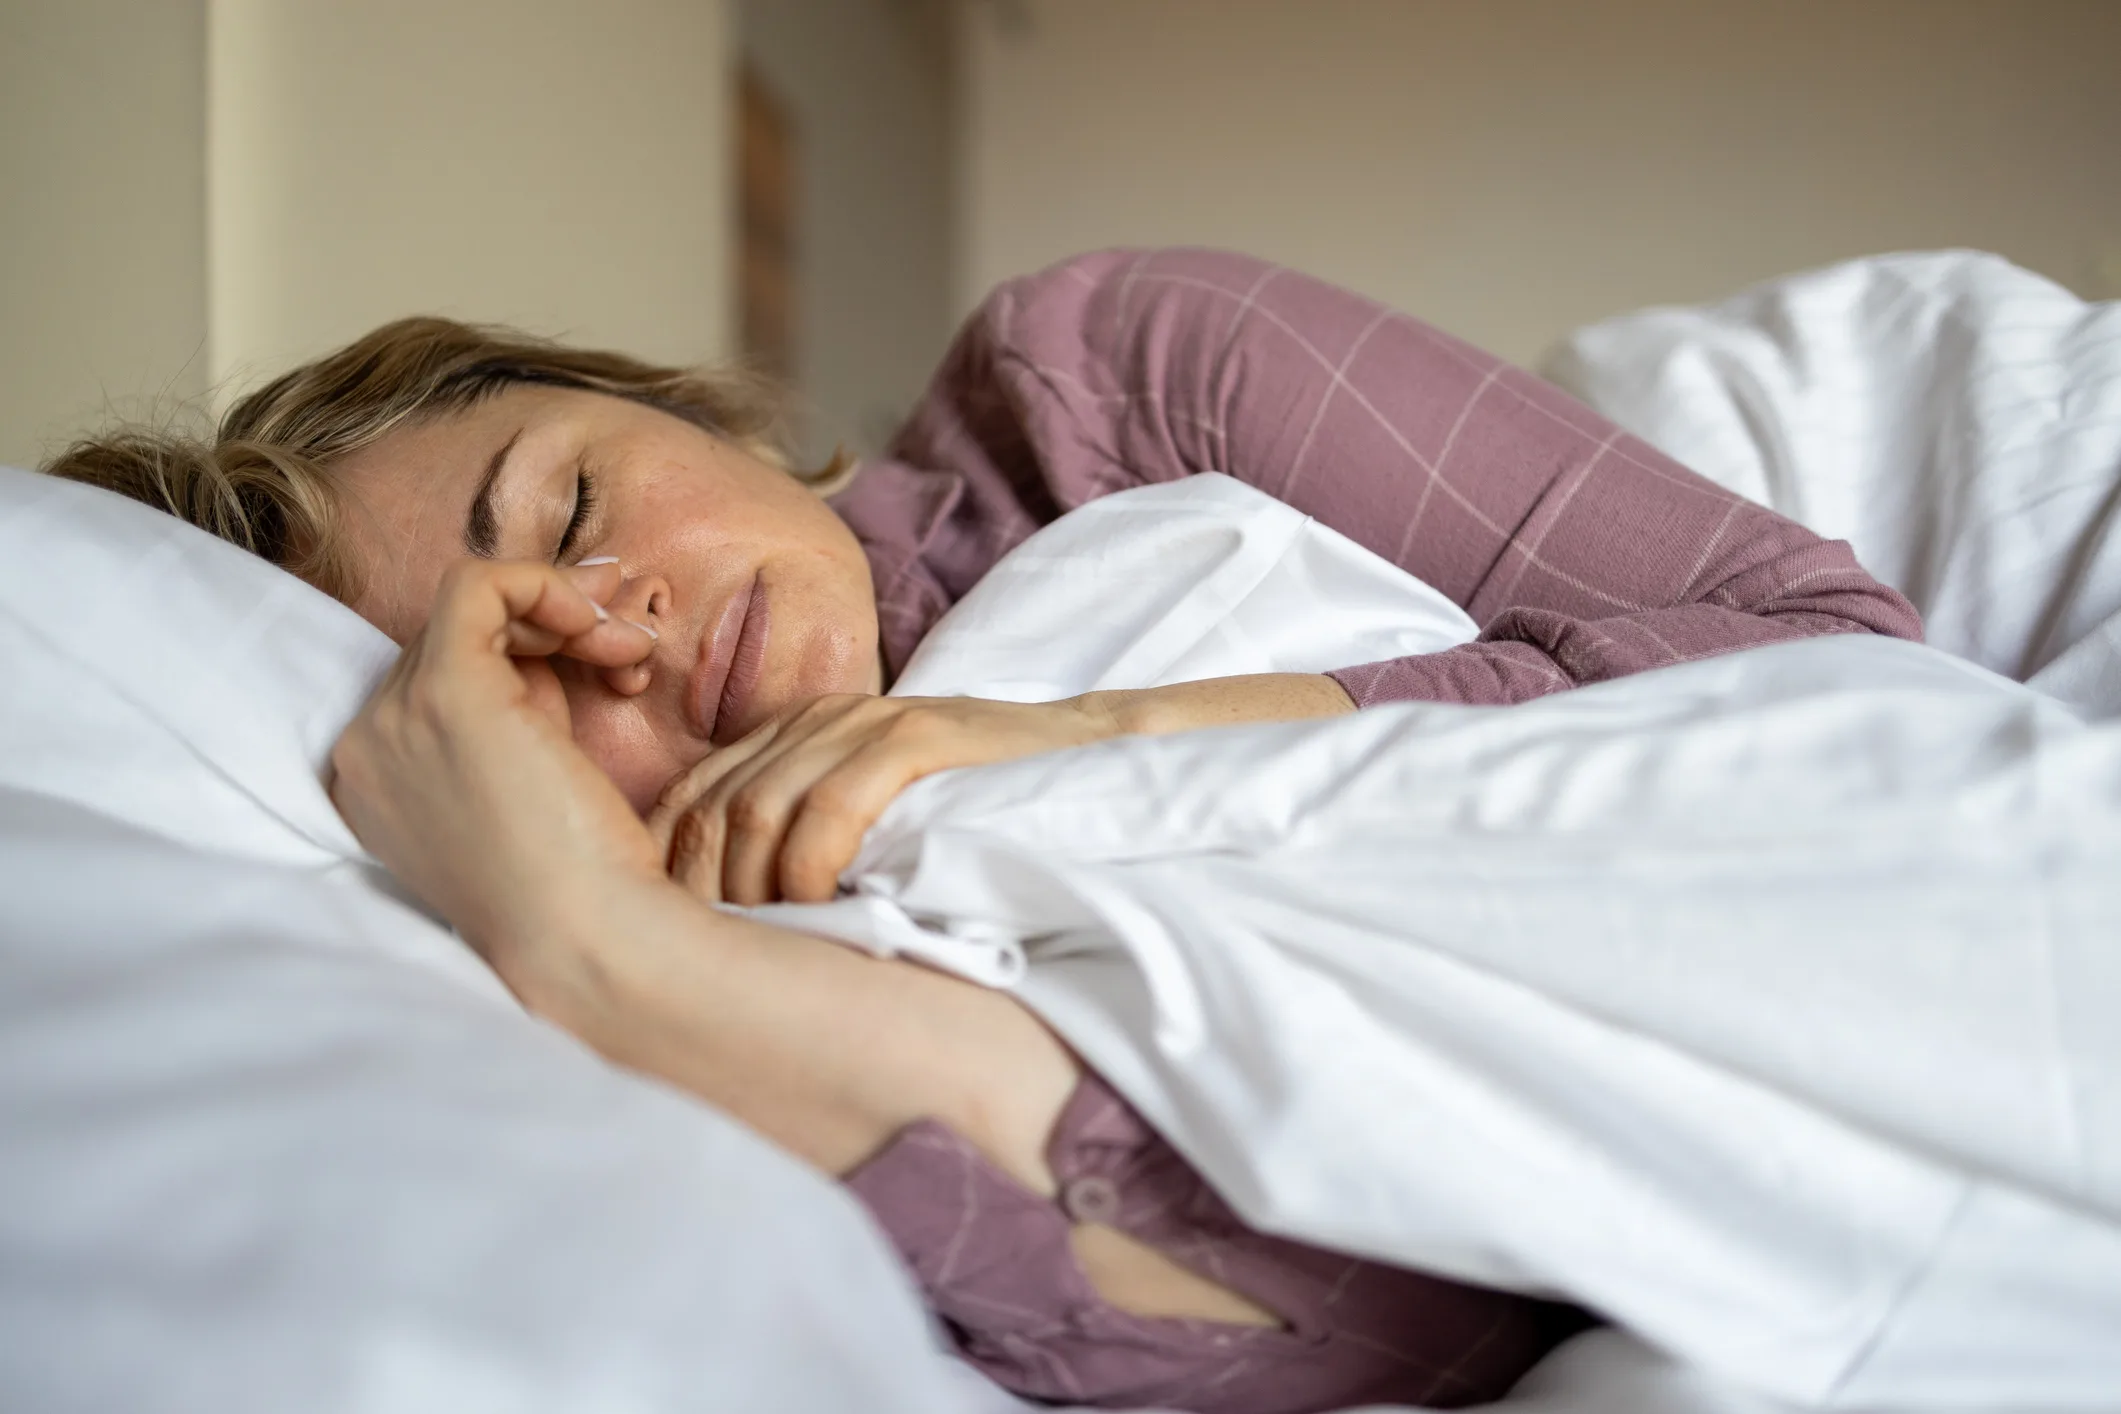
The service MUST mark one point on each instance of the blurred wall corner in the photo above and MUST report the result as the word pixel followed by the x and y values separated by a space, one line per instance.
pixel 103 253
pixel 865 90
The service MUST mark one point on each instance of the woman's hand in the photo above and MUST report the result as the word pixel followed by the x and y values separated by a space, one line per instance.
pixel 460 775
pixel 779 814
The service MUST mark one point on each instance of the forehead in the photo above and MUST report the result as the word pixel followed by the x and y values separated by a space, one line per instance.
pixel 405 496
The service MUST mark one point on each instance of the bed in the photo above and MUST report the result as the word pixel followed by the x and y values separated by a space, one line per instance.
pixel 275 1141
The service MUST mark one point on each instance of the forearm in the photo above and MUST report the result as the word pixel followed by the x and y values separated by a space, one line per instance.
pixel 826 1051
pixel 1218 702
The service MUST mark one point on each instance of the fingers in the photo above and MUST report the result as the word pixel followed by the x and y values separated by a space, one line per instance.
pixel 723 844
pixel 725 818
pixel 521 609
pixel 694 857
pixel 599 578
pixel 485 641
pixel 781 813
pixel 691 827
pixel 482 604
pixel 784 820
pixel 621 646
pixel 834 815
pixel 755 817
pixel 689 786
pixel 603 581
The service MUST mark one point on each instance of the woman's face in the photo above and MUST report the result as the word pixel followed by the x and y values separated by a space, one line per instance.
pixel 760 596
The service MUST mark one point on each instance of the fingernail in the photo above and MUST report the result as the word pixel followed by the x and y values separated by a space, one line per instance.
pixel 596 560
pixel 644 629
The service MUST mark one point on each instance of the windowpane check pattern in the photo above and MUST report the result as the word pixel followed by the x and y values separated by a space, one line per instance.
pixel 1583 552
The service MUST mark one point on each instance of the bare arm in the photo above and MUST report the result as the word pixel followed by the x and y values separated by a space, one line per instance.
pixel 824 1050
pixel 461 776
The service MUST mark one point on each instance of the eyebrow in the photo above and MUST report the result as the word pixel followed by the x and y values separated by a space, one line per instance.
pixel 482 531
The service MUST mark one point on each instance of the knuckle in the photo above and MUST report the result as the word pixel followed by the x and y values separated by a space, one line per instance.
pixel 749 811
pixel 837 796
pixel 700 831
pixel 425 702
pixel 686 844
pixel 807 881
pixel 686 838
pixel 811 862
pixel 820 710
pixel 682 789
pixel 695 852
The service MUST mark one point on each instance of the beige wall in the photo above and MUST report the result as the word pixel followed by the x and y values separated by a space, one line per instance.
pixel 553 164
pixel 1514 167
pixel 868 84
pixel 103 241
pixel 202 191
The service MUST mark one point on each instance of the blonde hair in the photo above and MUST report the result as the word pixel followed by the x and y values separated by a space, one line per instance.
pixel 264 481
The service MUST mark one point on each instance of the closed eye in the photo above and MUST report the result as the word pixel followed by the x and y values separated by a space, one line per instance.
pixel 585 500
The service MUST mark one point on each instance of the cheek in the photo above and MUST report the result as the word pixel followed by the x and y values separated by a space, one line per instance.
pixel 838 652
pixel 615 734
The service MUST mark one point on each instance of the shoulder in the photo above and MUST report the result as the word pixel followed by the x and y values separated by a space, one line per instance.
pixel 1105 290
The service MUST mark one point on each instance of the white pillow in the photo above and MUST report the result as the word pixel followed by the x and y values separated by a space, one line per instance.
pixel 169 680
pixel 1955 418
pixel 275 1140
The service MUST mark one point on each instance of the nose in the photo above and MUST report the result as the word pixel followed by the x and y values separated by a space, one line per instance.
pixel 644 599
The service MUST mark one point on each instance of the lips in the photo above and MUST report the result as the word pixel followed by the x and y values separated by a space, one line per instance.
pixel 731 658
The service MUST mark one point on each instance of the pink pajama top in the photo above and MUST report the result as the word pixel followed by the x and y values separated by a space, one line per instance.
pixel 1582 553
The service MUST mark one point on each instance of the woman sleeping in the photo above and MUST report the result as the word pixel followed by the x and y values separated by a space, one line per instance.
pixel 640 677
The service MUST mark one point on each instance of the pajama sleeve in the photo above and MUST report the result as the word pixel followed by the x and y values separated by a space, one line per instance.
pixel 1582 552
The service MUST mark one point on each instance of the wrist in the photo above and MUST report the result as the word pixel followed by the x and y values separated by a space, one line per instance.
pixel 567 948
pixel 823 1049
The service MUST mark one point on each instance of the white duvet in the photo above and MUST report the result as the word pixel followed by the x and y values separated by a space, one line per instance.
pixel 1763 1004
pixel 1770 1005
